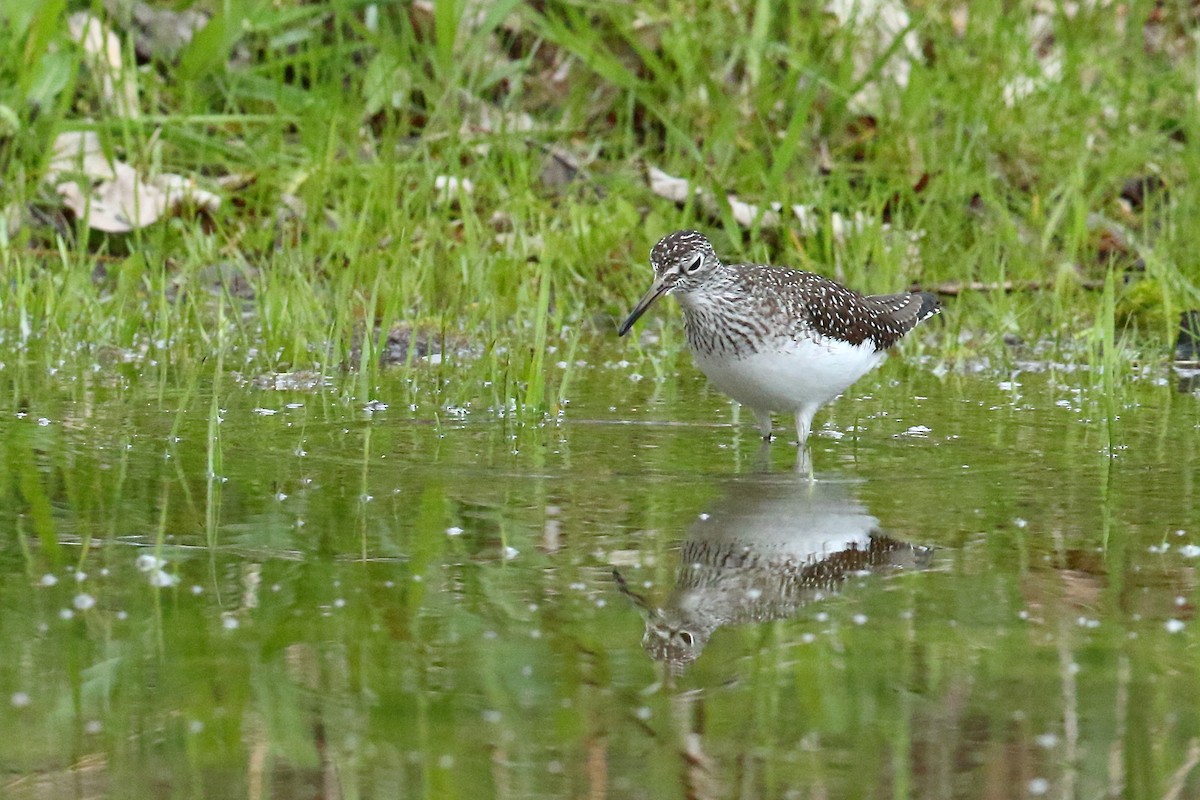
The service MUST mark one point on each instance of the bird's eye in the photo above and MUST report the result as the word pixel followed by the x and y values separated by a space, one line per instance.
pixel 695 263
pixel 686 638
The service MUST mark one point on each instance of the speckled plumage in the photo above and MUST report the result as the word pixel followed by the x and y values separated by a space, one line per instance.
pixel 775 338
pixel 761 552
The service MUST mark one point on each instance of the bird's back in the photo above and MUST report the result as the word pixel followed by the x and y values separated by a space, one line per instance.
pixel 826 307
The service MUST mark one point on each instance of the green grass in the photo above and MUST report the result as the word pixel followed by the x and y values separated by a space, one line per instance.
pixel 340 116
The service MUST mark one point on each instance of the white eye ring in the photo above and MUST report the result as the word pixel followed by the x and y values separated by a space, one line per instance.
pixel 695 263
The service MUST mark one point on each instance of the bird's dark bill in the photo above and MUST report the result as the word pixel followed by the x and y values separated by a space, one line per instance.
pixel 656 289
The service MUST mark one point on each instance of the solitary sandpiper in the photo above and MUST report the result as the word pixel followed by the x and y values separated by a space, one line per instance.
pixel 776 338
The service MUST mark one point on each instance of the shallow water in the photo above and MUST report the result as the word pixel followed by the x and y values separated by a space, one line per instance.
pixel 225 591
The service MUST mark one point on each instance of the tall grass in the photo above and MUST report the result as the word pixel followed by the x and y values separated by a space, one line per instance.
pixel 341 118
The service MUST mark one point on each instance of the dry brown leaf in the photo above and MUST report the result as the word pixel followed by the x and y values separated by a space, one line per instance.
pixel 118 86
pixel 678 190
pixel 163 33
pixel 811 221
pixel 110 195
pixel 878 26
pixel 451 189
pixel 480 116
pixel 1040 29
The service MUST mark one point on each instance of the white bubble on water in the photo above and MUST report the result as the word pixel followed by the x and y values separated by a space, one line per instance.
pixel 20 699
pixel 146 562
pixel 83 601
pixel 162 580
pixel 48 580
pixel 1174 625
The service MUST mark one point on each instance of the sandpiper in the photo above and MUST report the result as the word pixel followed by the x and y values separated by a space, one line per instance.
pixel 776 338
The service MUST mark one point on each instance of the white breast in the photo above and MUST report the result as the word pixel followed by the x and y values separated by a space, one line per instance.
pixel 792 374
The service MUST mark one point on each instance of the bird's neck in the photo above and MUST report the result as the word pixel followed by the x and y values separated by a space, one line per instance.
pixel 720 294
pixel 722 318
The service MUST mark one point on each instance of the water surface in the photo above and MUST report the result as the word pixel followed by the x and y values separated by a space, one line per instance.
pixel 216 590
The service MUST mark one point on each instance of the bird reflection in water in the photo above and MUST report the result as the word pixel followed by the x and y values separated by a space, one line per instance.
pixel 772 544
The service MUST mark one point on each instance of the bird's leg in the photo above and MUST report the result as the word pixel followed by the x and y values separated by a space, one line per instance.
pixel 804 463
pixel 762 459
pixel 804 418
pixel 764 423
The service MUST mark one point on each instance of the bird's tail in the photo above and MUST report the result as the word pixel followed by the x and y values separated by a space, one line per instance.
pixel 930 305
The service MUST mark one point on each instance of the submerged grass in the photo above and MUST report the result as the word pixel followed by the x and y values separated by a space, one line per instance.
pixel 478 173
